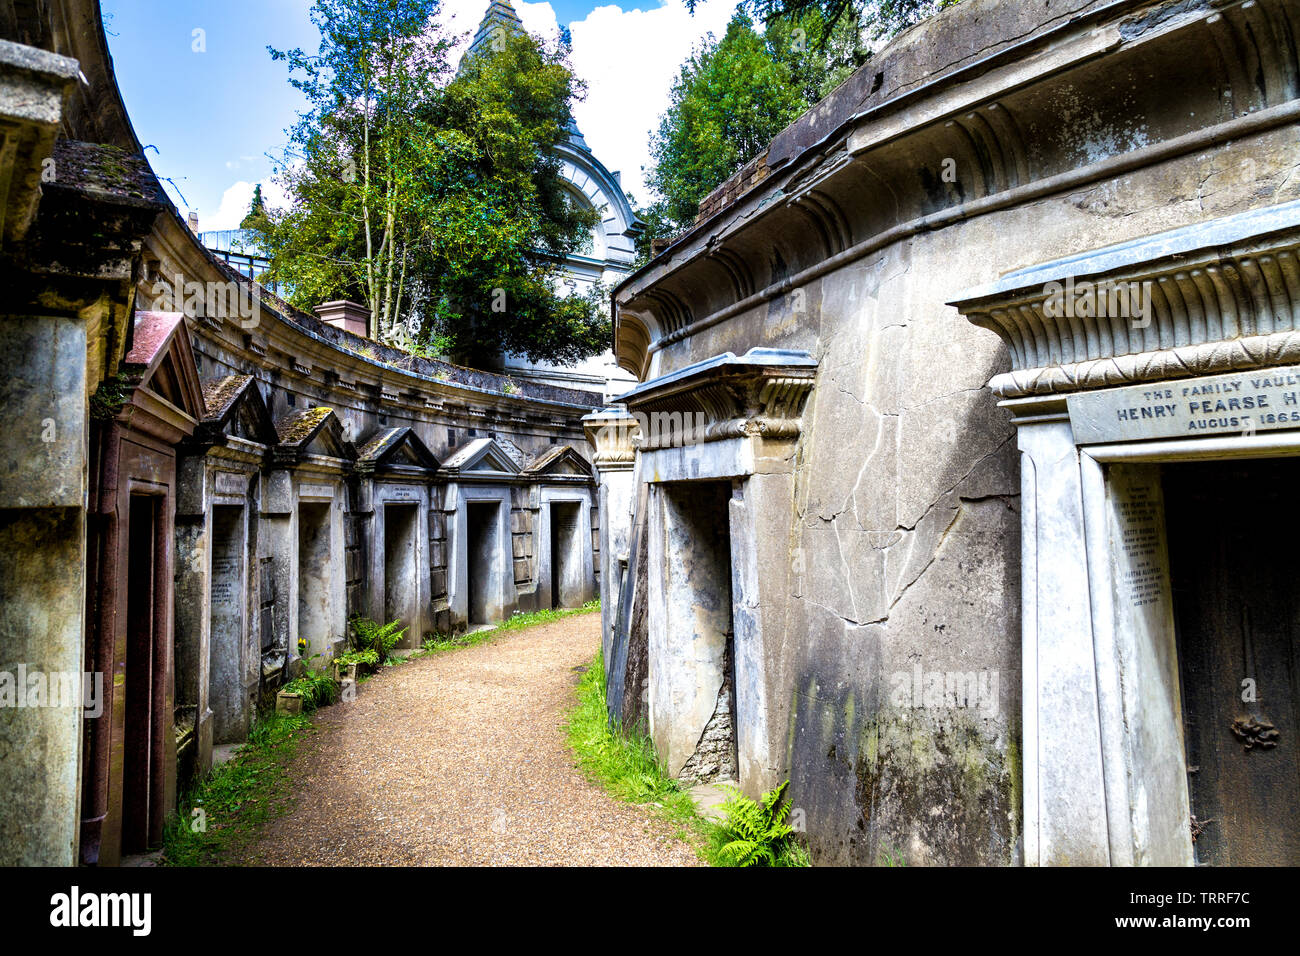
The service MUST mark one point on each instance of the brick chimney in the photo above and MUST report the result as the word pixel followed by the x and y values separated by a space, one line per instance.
pixel 194 221
pixel 348 316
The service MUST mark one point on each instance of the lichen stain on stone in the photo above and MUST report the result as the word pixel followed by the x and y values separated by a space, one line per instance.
pixel 952 788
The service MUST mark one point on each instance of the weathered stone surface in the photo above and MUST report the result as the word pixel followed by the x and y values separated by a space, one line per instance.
pixel 1081 136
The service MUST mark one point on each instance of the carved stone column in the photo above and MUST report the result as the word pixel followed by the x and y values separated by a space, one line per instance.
pixel 613 433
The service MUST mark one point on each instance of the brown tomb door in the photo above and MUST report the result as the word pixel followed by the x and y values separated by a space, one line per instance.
pixel 1233 528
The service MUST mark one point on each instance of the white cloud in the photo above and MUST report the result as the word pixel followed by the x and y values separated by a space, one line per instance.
pixel 235 203
pixel 629 59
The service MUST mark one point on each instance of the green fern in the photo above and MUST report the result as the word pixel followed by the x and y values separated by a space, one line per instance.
pixel 755 833
pixel 316 688
pixel 368 635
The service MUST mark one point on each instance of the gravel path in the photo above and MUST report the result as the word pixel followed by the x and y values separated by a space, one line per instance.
pixel 461 759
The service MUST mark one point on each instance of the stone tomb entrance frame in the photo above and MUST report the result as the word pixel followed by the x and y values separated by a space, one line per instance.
pixel 478 502
pixel 303 500
pixel 396 471
pixel 1105 759
pixel 1105 756
pixel 319 612
pixel 401 558
pixel 566 553
pixel 693 697
pixel 565 567
pixel 483 590
pixel 128 776
pixel 218 660
pixel 733 469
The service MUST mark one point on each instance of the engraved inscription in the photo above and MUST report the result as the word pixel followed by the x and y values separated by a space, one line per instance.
pixel 225 576
pixel 230 484
pixel 1241 403
pixel 1142 576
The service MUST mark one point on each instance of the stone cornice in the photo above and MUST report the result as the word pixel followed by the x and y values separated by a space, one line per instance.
pixel 760 393
pixel 1191 301
pixel 823 205
pixel 31 107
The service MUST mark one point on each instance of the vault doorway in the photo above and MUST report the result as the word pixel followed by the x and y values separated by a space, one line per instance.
pixel 1234 567
pixel 483 552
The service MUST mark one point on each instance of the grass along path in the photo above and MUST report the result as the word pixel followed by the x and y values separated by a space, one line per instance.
pixel 449 758
pixel 221 813
pixel 751 833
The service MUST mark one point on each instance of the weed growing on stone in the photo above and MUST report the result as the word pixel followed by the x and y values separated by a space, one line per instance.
pixel 626 766
pixel 754 832
pixel 317 689
pixel 226 809
pixel 368 635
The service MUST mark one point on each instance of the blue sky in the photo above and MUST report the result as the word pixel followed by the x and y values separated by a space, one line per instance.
pixel 214 115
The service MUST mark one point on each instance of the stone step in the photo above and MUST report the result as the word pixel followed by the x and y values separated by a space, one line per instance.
pixel 709 798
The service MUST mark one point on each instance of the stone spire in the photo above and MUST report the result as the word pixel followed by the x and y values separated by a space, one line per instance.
pixel 498 23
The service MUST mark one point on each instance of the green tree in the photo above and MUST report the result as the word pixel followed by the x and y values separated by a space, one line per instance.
pixel 433 198
pixel 731 98
pixel 256 210
pixel 877 19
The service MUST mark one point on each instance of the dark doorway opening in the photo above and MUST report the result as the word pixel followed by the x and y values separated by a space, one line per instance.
pixel 566 554
pixel 142 756
pixel 315 618
pixel 1232 530
pixel 700 600
pixel 483 560
pixel 401 572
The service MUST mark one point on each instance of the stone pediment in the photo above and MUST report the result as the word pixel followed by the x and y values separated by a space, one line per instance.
pixel 559 461
pixel 760 393
pixel 161 360
pixel 395 449
pixel 166 399
pixel 235 409
pixel 1207 298
pixel 481 456
pixel 311 431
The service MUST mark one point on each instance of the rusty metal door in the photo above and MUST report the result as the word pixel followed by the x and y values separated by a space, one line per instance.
pixel 1234 541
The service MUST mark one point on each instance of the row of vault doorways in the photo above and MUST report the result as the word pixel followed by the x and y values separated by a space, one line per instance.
pixel 490 578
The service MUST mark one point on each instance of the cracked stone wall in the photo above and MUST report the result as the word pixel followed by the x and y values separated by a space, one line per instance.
pixel 715 756
pixel 905 529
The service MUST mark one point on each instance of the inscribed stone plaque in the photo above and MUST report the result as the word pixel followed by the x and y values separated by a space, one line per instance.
pixel 225 578
pixel 316 491
pixel 1139 516
pixel 231 484
pixel 1237 403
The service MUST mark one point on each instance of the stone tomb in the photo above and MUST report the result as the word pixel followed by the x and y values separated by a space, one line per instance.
pixel 1160 694
pixel 304 500
pixel 129 777
pixel 396 473
pixel 479 504
pixel 562 490
pixel 220 630
pixel 717 445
